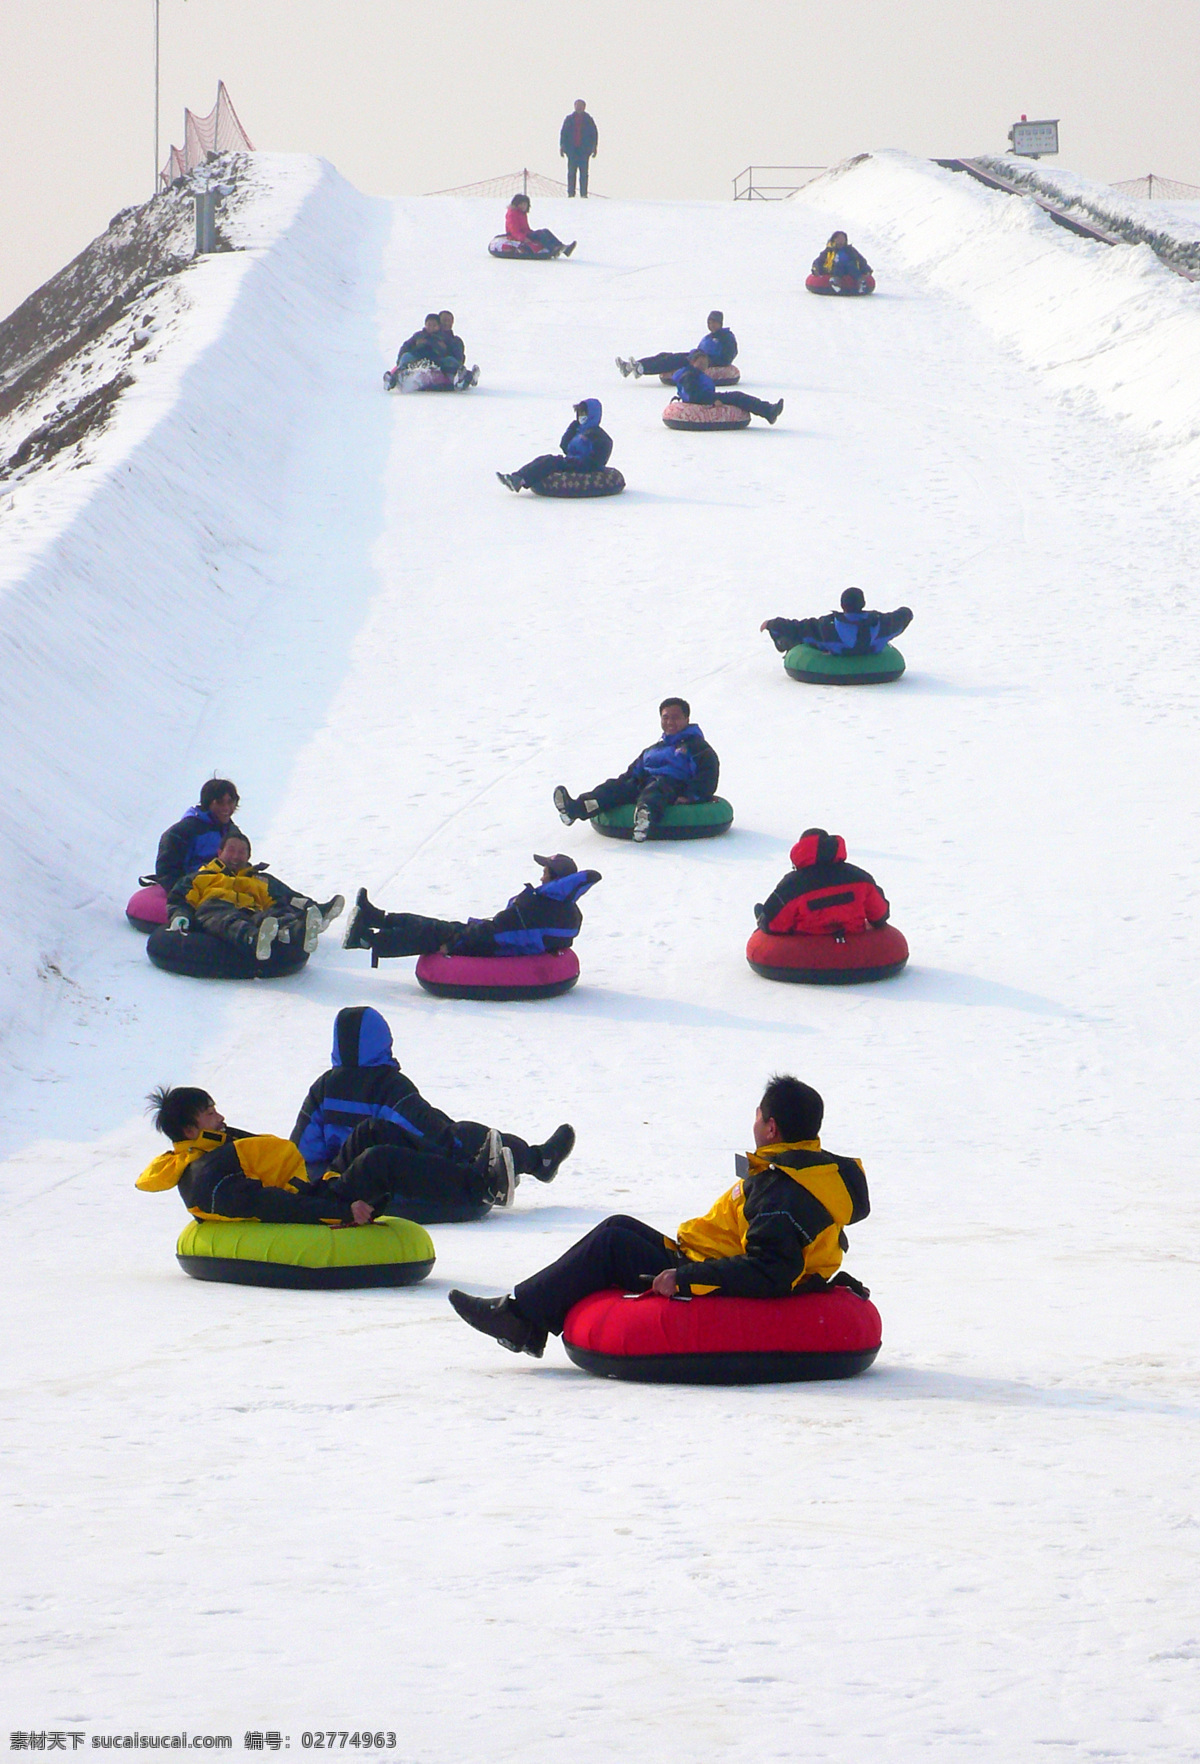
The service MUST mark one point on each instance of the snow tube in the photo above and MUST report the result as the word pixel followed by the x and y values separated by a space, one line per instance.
pixel 422 376
pixel 247 1252
pixel 503 246
pixel 816 668
pixel 840 284
pixel 608 482
pixel 499 977
pixel 683 820
pixel 679 415
pixel 720 376
pixel 147 907
pixel 210 958
pixel 832 1333
pixel 826 960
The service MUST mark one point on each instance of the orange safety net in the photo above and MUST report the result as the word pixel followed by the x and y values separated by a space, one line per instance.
pixel 220 131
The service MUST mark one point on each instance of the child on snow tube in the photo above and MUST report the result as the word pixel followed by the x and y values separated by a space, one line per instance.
pixel 585 448
pixel 531 243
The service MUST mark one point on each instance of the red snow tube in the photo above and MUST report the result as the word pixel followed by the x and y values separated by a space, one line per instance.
pixel 147 908
pixel 499 977
pixel 679 415
pixel 503 246
pixel 832 1333
pixel 607 482
pixel 839 284
pixel 826 960
pixel 720 376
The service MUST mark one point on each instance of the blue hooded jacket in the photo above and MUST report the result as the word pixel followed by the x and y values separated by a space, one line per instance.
pixel 365 1083
pixel 586 442
pixel 535 922
pixel 719 346
pixel 188 844
pixel 694 386
pixel 672 757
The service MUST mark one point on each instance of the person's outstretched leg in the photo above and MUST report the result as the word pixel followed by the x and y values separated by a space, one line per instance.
pixel 239 926
pixel 424 1179
pixel 545 237
pixel 541 1160
pixel 620 1252
pixel 756 406
pixel 652 804
pixel 666 362
pixel 535 471
pixel 398 934
pixel 613 793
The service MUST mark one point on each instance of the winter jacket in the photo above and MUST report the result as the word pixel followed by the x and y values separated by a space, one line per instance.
pixel 719 346
pixel 236 1175
pixel 535 922
pixel 453 347
pixel 188 844
pixel 425 346
pixel 779 1228
pixel 516 226
pixel 578 141
pixel 840 260
pixel 365 1083
pixel 585 443
pixel 694 386
pixel 686 758
pixel 822 893
pixel 241 887
pixel 841 633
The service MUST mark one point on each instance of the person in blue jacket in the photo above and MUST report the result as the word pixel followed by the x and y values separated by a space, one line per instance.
pixel 853 630
pixel 679 767
pixel 693 385
pixel 196 839
pixel 718 343
pixel 365 1099
pixel 585 448
pixel 537 921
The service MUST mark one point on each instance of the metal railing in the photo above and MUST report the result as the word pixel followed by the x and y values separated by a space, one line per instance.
pixel 752 185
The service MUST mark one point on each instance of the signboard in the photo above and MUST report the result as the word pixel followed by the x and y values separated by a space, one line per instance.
pixel 1031 139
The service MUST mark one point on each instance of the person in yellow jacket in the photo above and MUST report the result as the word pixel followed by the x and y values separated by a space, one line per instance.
pixel 779 1229
pixel 245 906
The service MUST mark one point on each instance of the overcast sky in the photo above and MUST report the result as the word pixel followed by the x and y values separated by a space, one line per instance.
pixel 406 99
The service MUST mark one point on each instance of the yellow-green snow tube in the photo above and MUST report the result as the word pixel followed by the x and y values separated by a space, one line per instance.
pixel 247 1252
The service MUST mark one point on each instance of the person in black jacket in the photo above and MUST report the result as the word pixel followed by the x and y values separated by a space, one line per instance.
pixel 585 448
pixel 436 346
pixel 780 1229
pixel 364 1091
pixel 197 837
pixel 679 767
pixel 718 343
pixel 578 140
pixel 852 631
pixel 536 921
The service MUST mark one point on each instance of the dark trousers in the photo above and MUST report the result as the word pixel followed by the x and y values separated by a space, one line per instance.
pixel 657 794
pixel 577 163
pixel 239 925
pixel 545 237
pixel 664 363
pixel 620 1252
pixel 407 934
pixel 544 464
pixel 743 401
pixel 433 1172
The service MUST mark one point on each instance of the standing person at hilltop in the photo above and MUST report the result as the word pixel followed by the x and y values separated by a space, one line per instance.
pixel 534 242
pixel 578 140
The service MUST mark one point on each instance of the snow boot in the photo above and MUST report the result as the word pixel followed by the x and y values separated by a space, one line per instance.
pixel 180 922
pixel 495 1165
pixel 264 938
pixel 641 822
pixel 510 480
pixel 312 927
pixel 569 811
pixel 500 1318
pixel 556 1150
pixel 567 249
pixel 626 367
pixel 331 910
pixel 364 919
pixel 775 411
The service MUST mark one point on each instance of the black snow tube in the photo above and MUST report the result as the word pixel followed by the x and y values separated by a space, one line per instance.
pixel 201 957
pixel 609 482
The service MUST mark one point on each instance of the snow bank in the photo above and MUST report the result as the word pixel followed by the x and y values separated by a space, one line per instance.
pixel 1109 325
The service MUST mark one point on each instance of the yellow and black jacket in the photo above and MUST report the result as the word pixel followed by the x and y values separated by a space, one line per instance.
pixel 779 1229
pixel 236 1175
pixel 242 887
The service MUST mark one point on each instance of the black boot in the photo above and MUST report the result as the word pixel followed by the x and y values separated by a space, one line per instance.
pixel 557 1148
pixel 363 918
pixel 500 1318
pixel 569 810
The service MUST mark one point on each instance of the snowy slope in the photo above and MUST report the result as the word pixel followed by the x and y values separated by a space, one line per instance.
pixel 245 1509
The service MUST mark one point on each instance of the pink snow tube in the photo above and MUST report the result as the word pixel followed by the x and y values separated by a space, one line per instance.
pixel 720 376
pixel 147 908
pixel 679 415
pixel 499 977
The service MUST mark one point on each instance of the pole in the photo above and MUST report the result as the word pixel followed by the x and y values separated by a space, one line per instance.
pixel 1150 188
pixel 156 7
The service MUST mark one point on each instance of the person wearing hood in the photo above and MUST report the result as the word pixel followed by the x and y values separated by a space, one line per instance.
pixel 695 385
pixel 679 767
pixel 534 241
pixel 224 1173
pixel 196 838
pixel 839 260
pixel 584 448
pixel 542 918
pixel 780 1229
pixel 365 1099
pixel 822 893
pixel 853 630
pixel 718 343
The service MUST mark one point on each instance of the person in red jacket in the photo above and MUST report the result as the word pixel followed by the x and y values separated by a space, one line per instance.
pixel 534 243
pixel 822 893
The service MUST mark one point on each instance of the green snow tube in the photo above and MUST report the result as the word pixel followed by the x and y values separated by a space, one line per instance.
pixel 818 669
pixel 683 820
pixel 248 1252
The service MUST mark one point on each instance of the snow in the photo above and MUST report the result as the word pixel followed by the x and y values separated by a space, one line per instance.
pixel 237 1509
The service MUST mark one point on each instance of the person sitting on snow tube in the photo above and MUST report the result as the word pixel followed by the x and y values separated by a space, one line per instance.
pixel 852 631
pixel 364 1090
pixel 693 385
pixel 456 351
pixel 197 837
pixel 538 921
pixel 822 893
pixel 585 448
pixel 717 343
pixel 223 1173
pixel 778 1230
pixel 432 347
pixel 539 243
pixel 840 261
pixel 679 767
pixel 245 907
